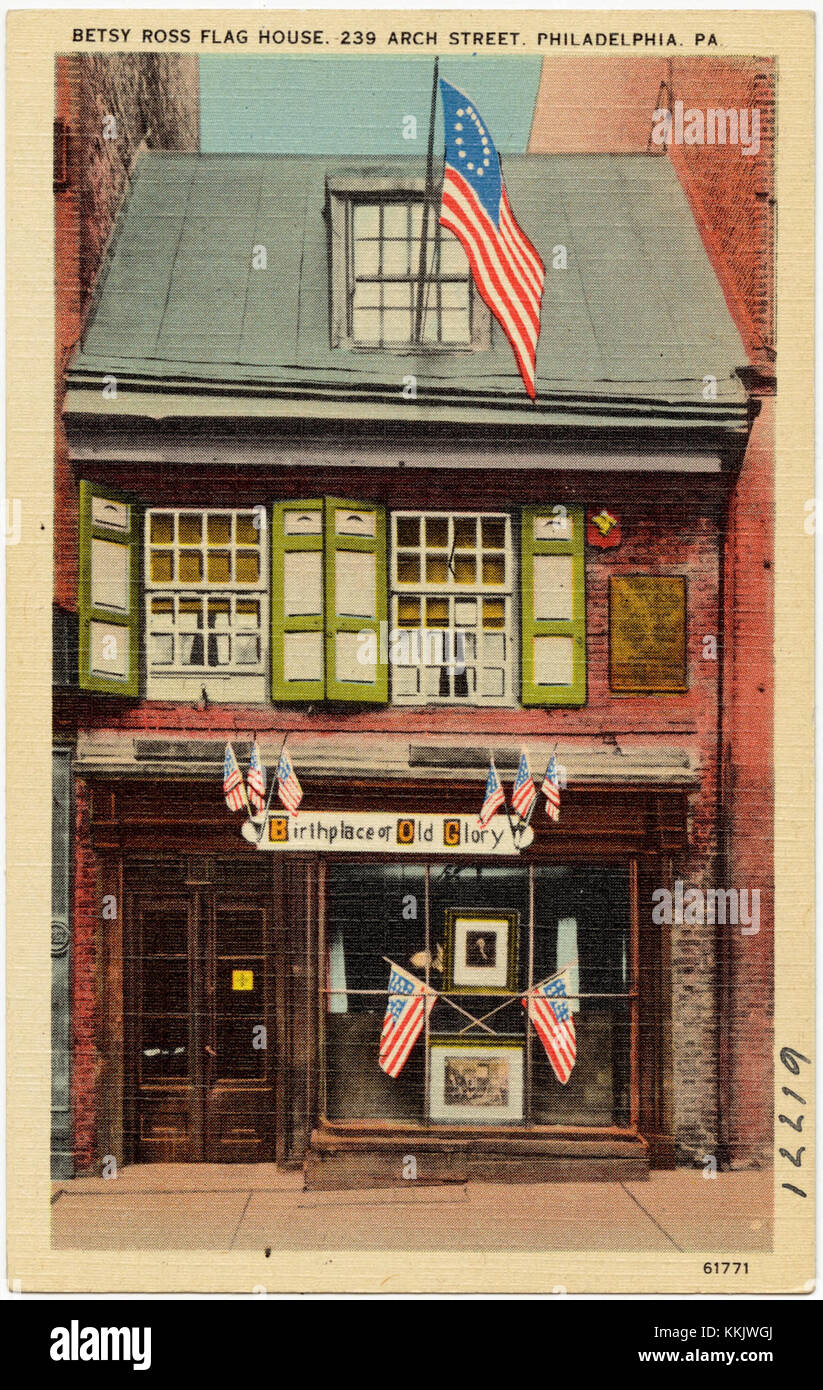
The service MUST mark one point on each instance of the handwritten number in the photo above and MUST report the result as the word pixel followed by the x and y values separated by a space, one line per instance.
pixel 797 1162
pixel 798 1128
pixel 791 1188
pixel 789 1057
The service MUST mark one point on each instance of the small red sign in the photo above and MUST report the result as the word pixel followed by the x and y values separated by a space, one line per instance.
pixel 603 529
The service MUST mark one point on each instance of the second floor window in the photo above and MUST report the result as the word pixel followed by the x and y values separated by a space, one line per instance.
pixel 384 279
pixel 206 593
pixel 452 595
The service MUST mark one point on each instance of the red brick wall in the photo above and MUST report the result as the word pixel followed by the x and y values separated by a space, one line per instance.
pixel 672 536
pixel 732 194
pixel 85 1041
pixel 154 98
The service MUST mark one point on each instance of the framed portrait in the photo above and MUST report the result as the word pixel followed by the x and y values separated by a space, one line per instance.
pixel 481 951
pixel 475 1083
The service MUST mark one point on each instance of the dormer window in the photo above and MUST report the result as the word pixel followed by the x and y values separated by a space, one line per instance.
pixel 378 301
pixel 385 293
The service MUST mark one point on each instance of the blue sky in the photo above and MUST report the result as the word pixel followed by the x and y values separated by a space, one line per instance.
pixel 355 106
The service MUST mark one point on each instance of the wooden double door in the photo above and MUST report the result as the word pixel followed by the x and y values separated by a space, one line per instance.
pixel 200 1038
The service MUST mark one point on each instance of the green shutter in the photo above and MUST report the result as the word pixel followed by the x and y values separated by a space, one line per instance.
pixel 553 606
pixel 356 602
pixel 109 592
pixel 298 639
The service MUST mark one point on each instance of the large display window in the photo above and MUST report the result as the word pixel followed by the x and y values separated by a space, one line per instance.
pixel 480 936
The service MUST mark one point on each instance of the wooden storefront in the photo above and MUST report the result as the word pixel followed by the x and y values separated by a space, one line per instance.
pixel 216 1031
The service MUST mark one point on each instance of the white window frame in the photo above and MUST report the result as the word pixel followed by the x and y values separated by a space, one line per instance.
pixel 454 592
pixel 343 193
pixel 248 683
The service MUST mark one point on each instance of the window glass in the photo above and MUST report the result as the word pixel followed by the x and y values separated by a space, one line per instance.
pixel 206 605
pixel 384 279
pixel 456 645
pixel 376 913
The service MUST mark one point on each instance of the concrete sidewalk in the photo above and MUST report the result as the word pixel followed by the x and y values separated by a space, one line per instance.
pixel 253 1207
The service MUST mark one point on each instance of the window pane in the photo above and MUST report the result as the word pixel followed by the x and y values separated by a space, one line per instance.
pixel 161 650
pixel 219 571
pixel 368 294
pixel 190 566
pixel 399 296
pixel 465 569
pixel 397 326
pixel 437 531
pixel 365 922
pixel 247 532
pixel 366 220
pixel 366 325
pixel 161 528
pixel 246 650
pixel 455 326
pixel 395 220
pixel 494 569
pixel 367 258
pixel 219 613
pixel 248 567
pixel 408 569
pixel 189 528
pixel 437 569
pixel 408 530
pixel 408 612
pixel 465 532
pixel 493 532
pixel 494 613
pixel 218 529
pixel 437 612
pixel 160 566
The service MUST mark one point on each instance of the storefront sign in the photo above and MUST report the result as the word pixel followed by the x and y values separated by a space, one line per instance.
pixel 363 832
pixel 647 633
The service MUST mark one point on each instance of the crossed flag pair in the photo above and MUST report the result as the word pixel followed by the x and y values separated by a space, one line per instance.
pixel 252 792
pixel 524 791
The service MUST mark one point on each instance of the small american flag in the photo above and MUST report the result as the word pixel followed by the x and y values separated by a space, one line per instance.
pixel 493 797
pixel 288 788
pixel 549 1011
pixel 551 789
pixel 233 786
pixel 507 270
pixel 256 779
pixel 410 1003
pixel 524 792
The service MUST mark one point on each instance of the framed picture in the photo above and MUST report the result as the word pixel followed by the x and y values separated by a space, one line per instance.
pixel 475 1083
pixel 481 951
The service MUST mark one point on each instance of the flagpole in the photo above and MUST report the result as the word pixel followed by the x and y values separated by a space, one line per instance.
pixel 274 782
pixel 427 196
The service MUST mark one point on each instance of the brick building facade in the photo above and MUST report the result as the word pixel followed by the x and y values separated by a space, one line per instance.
pixel 732 197
pixel 106 110
pixel 270 409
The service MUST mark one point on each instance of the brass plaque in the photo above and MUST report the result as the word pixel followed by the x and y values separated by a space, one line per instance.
pixel 647 633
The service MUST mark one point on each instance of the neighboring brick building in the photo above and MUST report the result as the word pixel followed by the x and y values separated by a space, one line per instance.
pixel 106 110
pixel 732 196
pixel 264 490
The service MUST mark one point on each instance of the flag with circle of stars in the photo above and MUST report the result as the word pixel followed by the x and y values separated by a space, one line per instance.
pixel 507 270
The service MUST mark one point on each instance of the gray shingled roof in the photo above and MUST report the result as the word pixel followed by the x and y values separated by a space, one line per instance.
pixel 638 313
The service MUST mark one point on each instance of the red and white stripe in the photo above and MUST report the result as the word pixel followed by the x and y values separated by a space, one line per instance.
pixel 290 793
pixel 233 790
pixel 507 270
pixel 398 1038
pixel 558 1038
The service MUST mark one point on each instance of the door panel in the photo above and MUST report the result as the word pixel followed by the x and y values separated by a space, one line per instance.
pixel 201 1036
pixel 239 1081
pixel 164 1065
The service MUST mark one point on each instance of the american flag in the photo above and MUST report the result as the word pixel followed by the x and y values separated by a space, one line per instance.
pixel 549 1011
pixel 524 792
pixel 256 779
pixel 507 270
pixel 233 786
pixel 288 788
pixel 410 1003
pixel 551 789
pixel 493 797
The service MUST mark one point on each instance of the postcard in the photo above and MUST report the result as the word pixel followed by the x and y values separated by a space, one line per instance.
pixel 410 530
